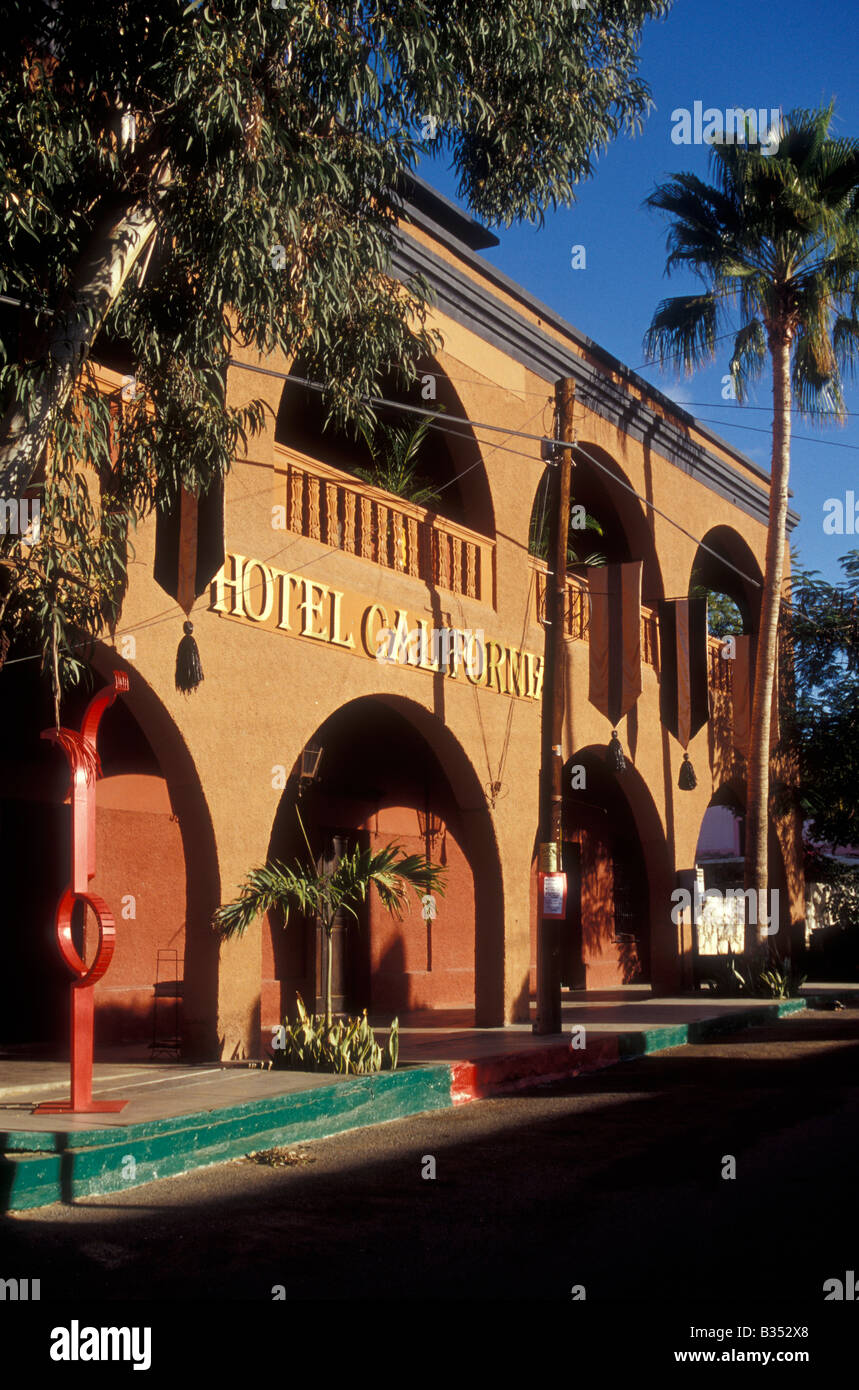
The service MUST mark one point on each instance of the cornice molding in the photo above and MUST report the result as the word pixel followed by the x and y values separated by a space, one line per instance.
pixel 476 308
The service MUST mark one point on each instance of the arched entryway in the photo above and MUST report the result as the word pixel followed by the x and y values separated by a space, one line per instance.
pixel 618 875
pixel 161 985
pixel 389 771
pixel 719 870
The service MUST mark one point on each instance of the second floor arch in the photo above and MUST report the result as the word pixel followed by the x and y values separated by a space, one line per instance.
pixel 446 473
pixel 726 568
pixel 615 529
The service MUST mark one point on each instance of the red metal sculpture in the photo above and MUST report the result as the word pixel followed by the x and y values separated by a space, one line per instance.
pixel 82 754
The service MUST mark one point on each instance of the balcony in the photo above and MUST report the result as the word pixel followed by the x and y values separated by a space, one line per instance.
pixel 334 508
pixel 577 623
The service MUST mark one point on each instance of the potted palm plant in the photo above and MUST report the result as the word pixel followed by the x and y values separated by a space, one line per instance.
pixel 395 463
pixel 322 893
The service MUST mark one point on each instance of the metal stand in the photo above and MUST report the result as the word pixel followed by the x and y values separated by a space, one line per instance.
pixel 168 987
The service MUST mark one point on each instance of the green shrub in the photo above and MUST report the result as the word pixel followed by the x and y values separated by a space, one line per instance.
pixel 346 1046
pixel 767 978
pixel 772 978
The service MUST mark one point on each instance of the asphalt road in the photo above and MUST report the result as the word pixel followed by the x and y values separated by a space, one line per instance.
pixel 614 1182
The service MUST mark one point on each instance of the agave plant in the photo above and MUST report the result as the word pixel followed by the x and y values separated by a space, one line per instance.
pixel 322 894
pixel 347 1046
pixel 775 978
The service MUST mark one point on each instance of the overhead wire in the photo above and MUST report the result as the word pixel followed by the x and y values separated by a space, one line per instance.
pixel 448 420
pixel 444 423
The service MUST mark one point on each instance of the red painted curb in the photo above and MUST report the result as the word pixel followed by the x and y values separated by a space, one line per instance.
pixel 492 1076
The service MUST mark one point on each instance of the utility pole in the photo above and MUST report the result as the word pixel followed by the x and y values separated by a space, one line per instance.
pixel 549 930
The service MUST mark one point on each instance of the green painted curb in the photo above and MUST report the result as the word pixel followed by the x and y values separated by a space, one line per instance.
pixel 38 1169
pixel 643 1042
pixel 647 1040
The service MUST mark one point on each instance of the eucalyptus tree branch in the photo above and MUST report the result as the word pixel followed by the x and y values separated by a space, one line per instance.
pixel 113 252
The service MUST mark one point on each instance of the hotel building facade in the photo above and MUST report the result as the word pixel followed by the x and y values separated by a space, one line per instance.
pixel 198 789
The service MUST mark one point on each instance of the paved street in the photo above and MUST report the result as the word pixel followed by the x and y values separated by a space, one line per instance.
pixel 613 1182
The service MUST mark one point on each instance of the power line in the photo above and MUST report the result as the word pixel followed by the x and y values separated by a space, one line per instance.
pixel 510 434
pixel 756 429
pixel 743 405
pixel 443 422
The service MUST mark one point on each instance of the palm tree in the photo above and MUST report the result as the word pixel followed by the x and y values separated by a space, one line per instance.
pixel 776 237
pixel 315 893
pixel 538 533
pixel 395 464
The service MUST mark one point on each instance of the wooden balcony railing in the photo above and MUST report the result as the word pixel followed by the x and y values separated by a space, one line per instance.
pixel 721 671
pixel 577 616
pixel 577 623
pixel 329 506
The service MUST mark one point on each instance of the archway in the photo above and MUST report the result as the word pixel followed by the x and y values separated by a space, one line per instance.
pixel 719 871
pixel 725 566
pixel 391 772
pixel 619 879
pixel 600 485
pixel 449 459
pixel 150 820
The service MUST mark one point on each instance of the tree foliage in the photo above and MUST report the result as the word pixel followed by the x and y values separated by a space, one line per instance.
pixel 774 240
pixel 396 451
pixel 724 618
pixel 824 627
pixel 176 181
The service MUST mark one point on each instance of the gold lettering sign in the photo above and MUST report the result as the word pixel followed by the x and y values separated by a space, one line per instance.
pixel 259 595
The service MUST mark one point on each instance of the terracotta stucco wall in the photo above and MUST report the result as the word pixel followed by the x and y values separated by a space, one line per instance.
pixel 265 692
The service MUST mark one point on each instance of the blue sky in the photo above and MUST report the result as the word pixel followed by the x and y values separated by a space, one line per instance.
pixel 786 54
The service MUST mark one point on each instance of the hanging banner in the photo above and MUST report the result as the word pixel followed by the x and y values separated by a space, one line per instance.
pixel 615 637
pixel 189 552
pixel 743 692
pixel 684 696
pixel 189 545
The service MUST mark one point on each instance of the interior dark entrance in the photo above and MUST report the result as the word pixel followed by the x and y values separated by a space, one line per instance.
pixel 379 782
pixel 607 927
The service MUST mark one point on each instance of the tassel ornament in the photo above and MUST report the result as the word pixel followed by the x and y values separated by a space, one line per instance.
pixel 614 755
pixel 189 668
pixel 687 781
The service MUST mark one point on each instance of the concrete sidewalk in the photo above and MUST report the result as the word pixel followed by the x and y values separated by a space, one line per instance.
pixel 181 1117
pixel 159 1089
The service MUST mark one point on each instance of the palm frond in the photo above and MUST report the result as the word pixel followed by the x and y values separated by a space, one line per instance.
pixel 274 886
pixel 749 355
pixel 683 331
